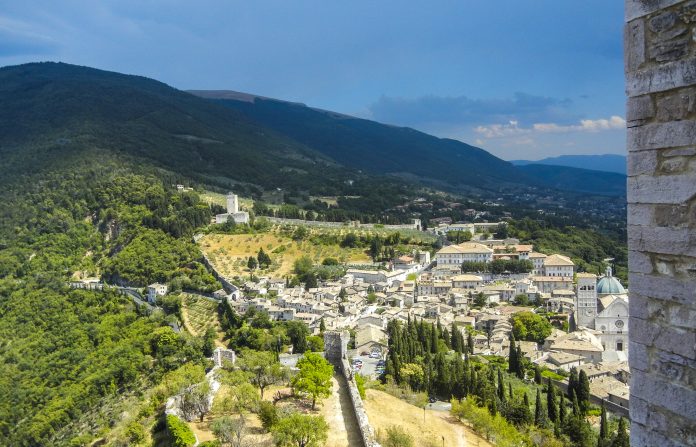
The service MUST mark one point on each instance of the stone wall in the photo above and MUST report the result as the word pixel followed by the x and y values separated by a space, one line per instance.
pixel 335 351
pixel 660 64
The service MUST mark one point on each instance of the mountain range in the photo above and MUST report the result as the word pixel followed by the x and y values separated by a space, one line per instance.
pixel 56 111
pixel 606 162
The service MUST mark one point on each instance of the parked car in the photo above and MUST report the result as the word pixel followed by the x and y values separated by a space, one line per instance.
pixel 375 355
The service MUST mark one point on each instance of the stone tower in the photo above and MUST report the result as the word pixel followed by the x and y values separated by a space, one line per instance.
pixel 586 300
pixel 660 63
pixel 232 203
pixel 336 346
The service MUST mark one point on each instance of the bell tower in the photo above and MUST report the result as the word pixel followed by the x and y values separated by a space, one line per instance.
pixel 586 300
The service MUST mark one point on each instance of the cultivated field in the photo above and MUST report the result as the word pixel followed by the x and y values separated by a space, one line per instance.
pixel 385 410
pixel 229 253
pixel 198 314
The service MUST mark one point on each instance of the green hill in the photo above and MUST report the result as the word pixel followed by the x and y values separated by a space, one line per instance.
pixel 374 147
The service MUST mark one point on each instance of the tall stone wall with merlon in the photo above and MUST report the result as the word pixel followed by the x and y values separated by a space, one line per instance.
pixel 660 65
pixel 335 351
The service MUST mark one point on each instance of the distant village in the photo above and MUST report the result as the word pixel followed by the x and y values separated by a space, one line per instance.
pixel 589 312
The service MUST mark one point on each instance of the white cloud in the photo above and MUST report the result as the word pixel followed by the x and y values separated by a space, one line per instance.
pixel 513 128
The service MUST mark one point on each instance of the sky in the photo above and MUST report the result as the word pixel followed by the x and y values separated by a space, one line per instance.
pixel 523 79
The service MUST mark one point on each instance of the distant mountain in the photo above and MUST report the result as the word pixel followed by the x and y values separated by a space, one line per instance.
pixel 55 111
pixel 606 162
pixel 578 180
pixel 374 147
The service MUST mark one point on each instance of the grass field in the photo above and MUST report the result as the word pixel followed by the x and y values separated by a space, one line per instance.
pixel 229 253
pixel 438 428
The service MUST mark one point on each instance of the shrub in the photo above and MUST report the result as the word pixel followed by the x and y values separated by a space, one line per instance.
pixel 396 436
pixel 179 432
pixel 360 382
pixel 268 414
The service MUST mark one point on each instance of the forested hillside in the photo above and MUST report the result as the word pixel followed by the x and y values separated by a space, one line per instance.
pixel 66 354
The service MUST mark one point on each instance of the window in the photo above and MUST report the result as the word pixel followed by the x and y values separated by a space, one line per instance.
pixel 619 345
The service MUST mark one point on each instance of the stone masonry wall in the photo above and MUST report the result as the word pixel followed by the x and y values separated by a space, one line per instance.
pixel 660 65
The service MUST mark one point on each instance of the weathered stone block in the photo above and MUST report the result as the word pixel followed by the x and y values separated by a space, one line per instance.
pixel 677 105
pixel 665 189
pixel 670 50
pixel 667 240
pixel 639 110
pixel 661 135
pixel 639 262
pixel 660 393
pixel 668 289
pixel 639 8
pixel 663 22
pixel 641 162
pixel 640 213
pixel 640 358
pixel 660 78
pixel 634 45
pixel 671 215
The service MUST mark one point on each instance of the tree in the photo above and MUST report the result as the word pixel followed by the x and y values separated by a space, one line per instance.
pixel 301 431
pixel 537 375
pixel 263 368
pixel 513 361
pixel 583 391
pixel 263 258
pixel 342 294
pixel 251 263
pixel 297 332
pixel 603 440
pixel 621 438
pixel 322 325
pixel 396 436
pixel 195 402
pixel 239 399
pixel 209 341
pixel 230 431
pixel 551 402
pixel 530 326
pixel 521 300
pixel 538 411
pixel 480 300
pixel 315 343
pixel 314 377
pixel 470 343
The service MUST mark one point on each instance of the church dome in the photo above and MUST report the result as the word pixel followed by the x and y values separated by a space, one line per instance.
pixel 610 285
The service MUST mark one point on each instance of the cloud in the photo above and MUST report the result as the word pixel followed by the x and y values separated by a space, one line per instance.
pixel 19 38
pixel 512 127
pixel 432 110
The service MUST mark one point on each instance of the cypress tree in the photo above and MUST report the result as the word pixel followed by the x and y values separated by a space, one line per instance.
pixel 537 375
pixel 470 343
pixel 538 410
pixel 572 382
pixel 561 410
pixel 576 406
pixel 520 362
pixel 603 428
pixel 551 402
pixel 510 390
pixel 583 391
pixel 501 386
pixel 621 438
pixel 512 357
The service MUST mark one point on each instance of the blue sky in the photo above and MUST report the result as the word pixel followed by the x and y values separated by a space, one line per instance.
pixel 519 78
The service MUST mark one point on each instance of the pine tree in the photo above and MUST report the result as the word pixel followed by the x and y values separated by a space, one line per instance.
pixel 251 263
pixel 621 438
pixel 551 402
pixel 538 410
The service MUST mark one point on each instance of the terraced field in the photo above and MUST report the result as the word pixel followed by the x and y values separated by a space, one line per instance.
pixel 199 313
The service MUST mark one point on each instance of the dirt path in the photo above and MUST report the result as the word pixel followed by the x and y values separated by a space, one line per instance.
pixel 337 410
